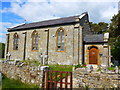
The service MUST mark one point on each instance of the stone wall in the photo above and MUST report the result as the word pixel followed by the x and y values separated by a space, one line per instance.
pixel 81 77
pixel 26 74
pixel 95 79
pixel 69 56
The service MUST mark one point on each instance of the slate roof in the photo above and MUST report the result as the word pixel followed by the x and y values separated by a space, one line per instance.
pixel 66 20
pixel 94 38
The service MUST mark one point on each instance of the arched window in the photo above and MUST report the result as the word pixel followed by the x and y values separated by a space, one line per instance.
pixel 34 40
pixel 15 42
pixel 60 39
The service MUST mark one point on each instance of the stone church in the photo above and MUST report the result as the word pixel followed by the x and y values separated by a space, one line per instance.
pixel 67 40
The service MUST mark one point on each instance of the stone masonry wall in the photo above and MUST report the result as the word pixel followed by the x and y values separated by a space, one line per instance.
pixel 103 50
pixel 69 56
pixel 25 74
pixel 83 79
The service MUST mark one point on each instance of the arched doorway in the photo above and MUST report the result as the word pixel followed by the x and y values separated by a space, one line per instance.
pixel 93 55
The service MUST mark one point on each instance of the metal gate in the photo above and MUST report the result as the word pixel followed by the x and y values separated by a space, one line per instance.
pixel 58 79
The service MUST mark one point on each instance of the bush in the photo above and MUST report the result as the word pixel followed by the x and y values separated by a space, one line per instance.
pixel 111 68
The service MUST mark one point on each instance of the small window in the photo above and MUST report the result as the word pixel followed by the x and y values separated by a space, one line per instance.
pixel 15 42
pixel 60 40
pixel 34 40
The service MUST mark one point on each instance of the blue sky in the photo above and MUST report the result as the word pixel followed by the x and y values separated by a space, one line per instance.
pixel 13 12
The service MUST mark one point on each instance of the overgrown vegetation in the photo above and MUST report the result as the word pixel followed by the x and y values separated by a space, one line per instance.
pixel 80 66
pixel 31 62
pixel 111 68
pixel 99 69
pixel 11 83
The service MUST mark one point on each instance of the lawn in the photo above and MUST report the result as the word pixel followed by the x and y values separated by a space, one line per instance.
pixel 67 68
pixel 56 67
pixel 13 84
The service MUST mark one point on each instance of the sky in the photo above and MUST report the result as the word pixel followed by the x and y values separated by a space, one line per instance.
pixel 14 12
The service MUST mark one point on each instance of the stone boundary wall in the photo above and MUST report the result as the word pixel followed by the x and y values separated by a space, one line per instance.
pixel 81 78
pixel 95 79
pixel 26 74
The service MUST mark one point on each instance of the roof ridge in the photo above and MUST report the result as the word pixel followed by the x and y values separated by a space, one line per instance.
pixel 59 18
pixel 54 19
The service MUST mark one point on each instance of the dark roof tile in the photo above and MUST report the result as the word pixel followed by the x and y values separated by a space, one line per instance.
pixel 59 21
pixel 94 38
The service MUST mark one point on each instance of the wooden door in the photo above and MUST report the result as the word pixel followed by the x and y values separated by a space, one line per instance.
pixel 93 56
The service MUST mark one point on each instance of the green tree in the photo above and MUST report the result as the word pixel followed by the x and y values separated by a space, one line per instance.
pixel 99 28
pixel 114 27
pixel 114 30
pixel 115 48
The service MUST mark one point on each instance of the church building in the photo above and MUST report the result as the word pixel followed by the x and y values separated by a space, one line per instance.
pixel 67 40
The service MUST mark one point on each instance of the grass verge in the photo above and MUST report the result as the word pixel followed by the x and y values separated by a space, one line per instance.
pixel 11 83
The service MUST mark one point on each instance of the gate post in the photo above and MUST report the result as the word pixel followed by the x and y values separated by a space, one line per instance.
pixel 44 69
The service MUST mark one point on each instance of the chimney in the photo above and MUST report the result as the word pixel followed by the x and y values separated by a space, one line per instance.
pixel 106 36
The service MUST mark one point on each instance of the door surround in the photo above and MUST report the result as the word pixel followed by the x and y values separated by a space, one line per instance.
pixel 93 55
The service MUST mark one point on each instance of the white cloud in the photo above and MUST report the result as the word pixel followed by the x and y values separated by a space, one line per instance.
pixel 4 10
pixel 61 0
pixel 109 12
pixel 3 29
pixel 38 11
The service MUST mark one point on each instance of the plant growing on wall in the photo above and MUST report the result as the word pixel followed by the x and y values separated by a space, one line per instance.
pixel 80 66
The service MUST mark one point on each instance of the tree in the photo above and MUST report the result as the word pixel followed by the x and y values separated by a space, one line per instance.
pixel 114 28
pixel 99 28
pixel 115 49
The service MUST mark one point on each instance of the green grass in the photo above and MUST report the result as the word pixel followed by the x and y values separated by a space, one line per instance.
pixel 2 59
pixel 31 62
pixel 56 67
pixel 10 83
pixel 67 68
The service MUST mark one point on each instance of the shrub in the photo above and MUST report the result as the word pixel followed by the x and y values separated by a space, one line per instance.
pixel 111 68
